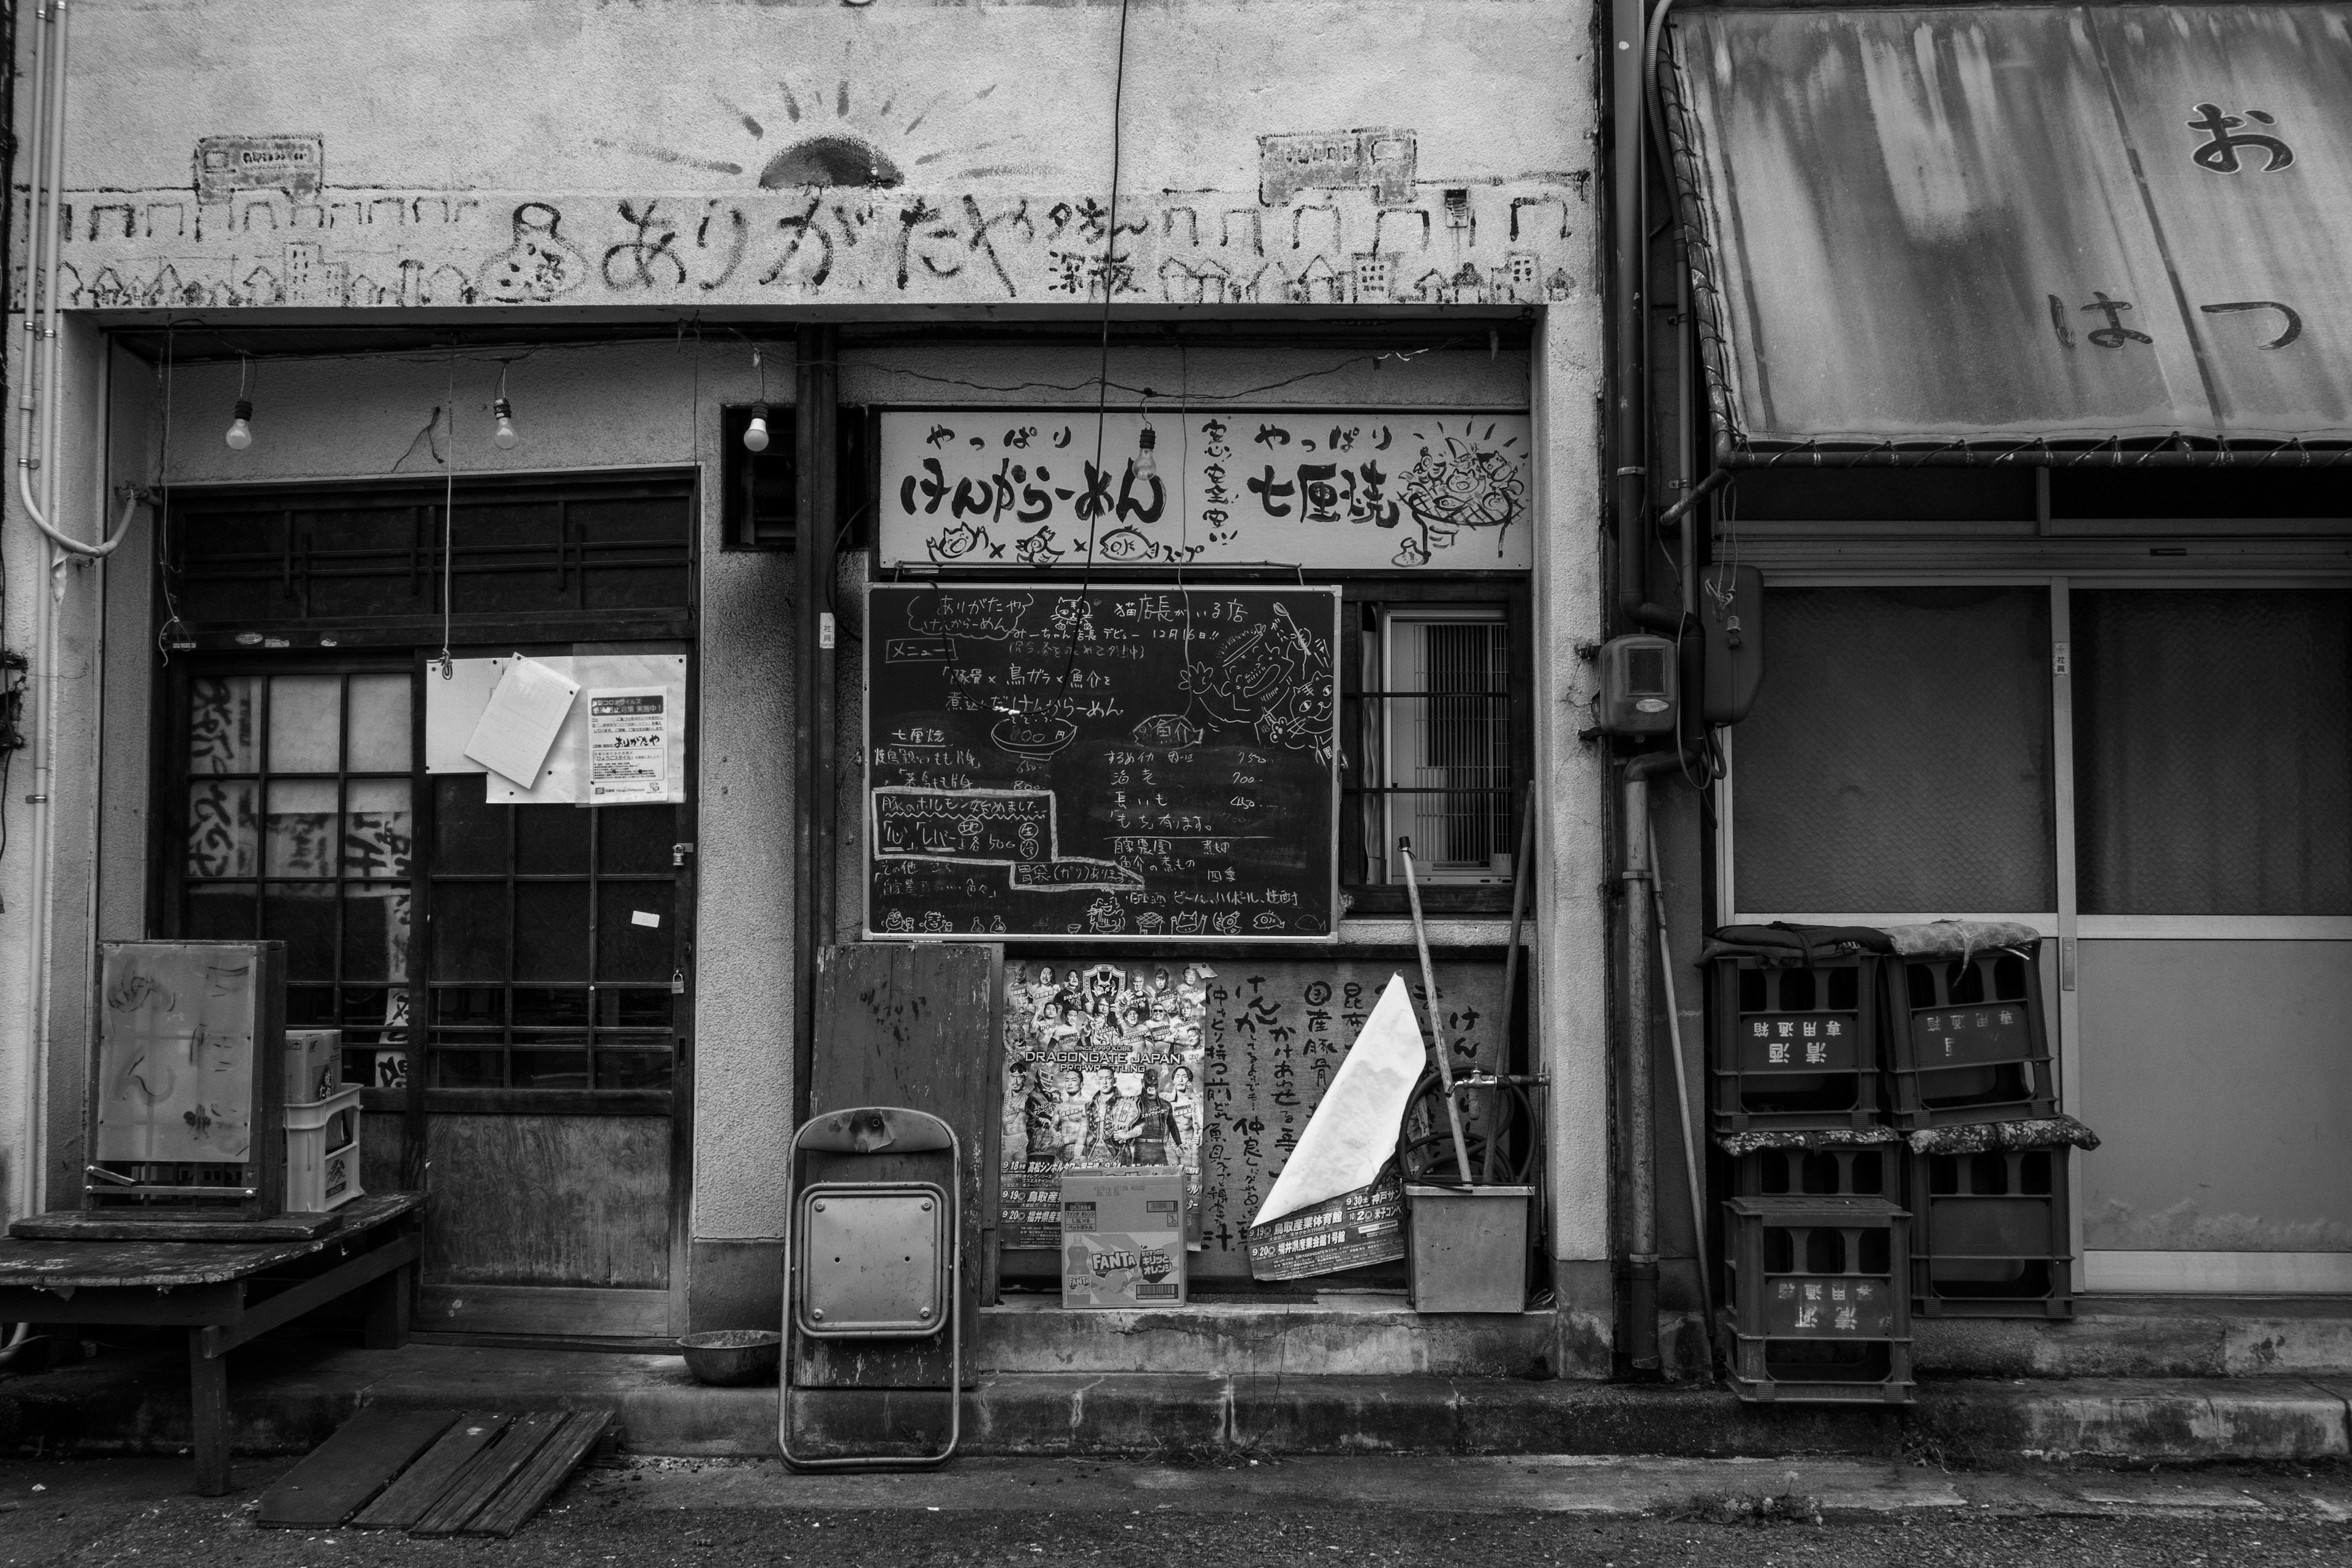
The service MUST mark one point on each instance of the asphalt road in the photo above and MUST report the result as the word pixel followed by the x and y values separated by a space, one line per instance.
pixel 1617 1514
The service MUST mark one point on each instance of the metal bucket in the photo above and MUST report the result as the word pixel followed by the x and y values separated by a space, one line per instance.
pixel 1469 1247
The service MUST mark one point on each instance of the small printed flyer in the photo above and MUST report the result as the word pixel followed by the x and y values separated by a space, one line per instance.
pixel 628 745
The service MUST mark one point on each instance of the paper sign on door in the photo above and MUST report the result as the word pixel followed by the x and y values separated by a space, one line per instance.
pixel 628 745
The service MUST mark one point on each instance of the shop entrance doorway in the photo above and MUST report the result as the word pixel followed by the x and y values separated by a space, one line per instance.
pixel 2158 775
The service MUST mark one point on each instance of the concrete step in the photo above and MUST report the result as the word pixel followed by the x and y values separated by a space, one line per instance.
pixel 287 1397
pixel 1336 1334
pixel 2148 1336
pixel 1365 1335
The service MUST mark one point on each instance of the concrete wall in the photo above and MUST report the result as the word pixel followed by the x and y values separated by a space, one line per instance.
pixel 708 154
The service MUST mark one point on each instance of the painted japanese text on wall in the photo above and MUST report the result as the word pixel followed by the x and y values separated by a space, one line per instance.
pixel 775 154
pixel 1335 488
pixel 1272 1037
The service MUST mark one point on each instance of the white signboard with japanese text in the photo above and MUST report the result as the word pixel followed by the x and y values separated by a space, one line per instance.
pixel 1330 489
pixel 628 745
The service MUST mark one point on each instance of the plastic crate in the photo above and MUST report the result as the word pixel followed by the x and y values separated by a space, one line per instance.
pixel 322 1154
pixel 1817 1306
pixel 1969 1042
pixel 1794 1048
pixel 1862 1171
pixel 1992 1236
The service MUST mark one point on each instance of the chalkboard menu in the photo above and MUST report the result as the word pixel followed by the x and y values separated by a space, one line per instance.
pixel 1103 764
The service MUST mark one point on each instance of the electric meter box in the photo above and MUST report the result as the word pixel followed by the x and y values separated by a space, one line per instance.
pixel 1637 684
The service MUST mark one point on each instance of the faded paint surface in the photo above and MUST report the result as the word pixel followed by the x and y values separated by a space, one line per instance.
pixel 557 151
pixel 2067 223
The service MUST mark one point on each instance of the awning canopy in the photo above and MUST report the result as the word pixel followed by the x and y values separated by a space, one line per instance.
pixel 2062 226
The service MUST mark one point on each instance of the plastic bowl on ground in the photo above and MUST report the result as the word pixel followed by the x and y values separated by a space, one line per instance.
pixel 731 1357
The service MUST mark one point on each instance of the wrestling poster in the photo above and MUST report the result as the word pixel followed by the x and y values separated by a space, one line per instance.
pixel 1102 1071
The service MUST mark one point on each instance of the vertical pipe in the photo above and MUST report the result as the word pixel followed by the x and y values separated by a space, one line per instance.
pixel 1640 1060
pixel 1629 251
pixel 805 601
pixel 819 407
pixel 1641 1135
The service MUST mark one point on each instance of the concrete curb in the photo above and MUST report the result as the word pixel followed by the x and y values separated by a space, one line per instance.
pixel 287 1400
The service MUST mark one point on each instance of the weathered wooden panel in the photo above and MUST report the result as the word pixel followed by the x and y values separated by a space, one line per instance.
pixel 549 1200
pixel 381 1132
pixel 914 1026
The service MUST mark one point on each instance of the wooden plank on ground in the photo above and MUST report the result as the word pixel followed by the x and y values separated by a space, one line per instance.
pixel 494 1468
pixel 340 1475
pixel 403 1503
pixel 536 1482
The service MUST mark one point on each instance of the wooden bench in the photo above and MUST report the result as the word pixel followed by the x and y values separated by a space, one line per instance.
pixel 242 1279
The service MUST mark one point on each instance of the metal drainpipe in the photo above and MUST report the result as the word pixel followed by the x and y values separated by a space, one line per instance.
pixel 1641 1059
pixel 813 418
pixel 1627 398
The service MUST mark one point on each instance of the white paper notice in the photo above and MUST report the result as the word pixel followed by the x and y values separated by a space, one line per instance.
pixel 628 745
pixel 1353 1131
pixel 520 724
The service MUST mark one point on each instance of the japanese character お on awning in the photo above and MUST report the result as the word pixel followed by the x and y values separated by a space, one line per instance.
pixel 2077 227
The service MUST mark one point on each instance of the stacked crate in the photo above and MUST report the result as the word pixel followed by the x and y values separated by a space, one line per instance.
pixel 1816 1300
pixel 1968 1045
pixel 322 1124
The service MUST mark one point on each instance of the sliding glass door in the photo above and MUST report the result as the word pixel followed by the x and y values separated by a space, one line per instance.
pixel 2159 778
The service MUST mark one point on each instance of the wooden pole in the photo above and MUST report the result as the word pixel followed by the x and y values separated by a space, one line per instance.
pixel 1511 973
pixel 1437 1029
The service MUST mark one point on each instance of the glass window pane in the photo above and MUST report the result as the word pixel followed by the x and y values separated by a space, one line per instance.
pixel 301 828
pixel 550 1006
pixel 627 948
pixel 305 715
pixel 224 829
pixel 550 1070
pixel 551 929
pixel 310 1007
pixel 302 916
pixel 635 838
pixel 2213 751
pixel 469 931
pixel 222 733
pixel 380 724
pixel 375 932
pixel 468 1069
pixel 629 1007
pixel 632 1069
pixel 551 841
pixel 469 835
pixel 223 913
pixel 474 1006
pixel 1898 760
pixel 378 831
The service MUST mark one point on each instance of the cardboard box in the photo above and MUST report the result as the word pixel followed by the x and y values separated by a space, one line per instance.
pixel 1122 1238
pixel 314 1065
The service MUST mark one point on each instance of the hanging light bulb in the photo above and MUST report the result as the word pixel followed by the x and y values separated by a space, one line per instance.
pixel 1147 467
pixel 240 428
pixel 505 436
pixel 755 435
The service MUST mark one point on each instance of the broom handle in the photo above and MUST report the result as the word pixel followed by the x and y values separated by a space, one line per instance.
pixel 1436 1029
pixel 1511 963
